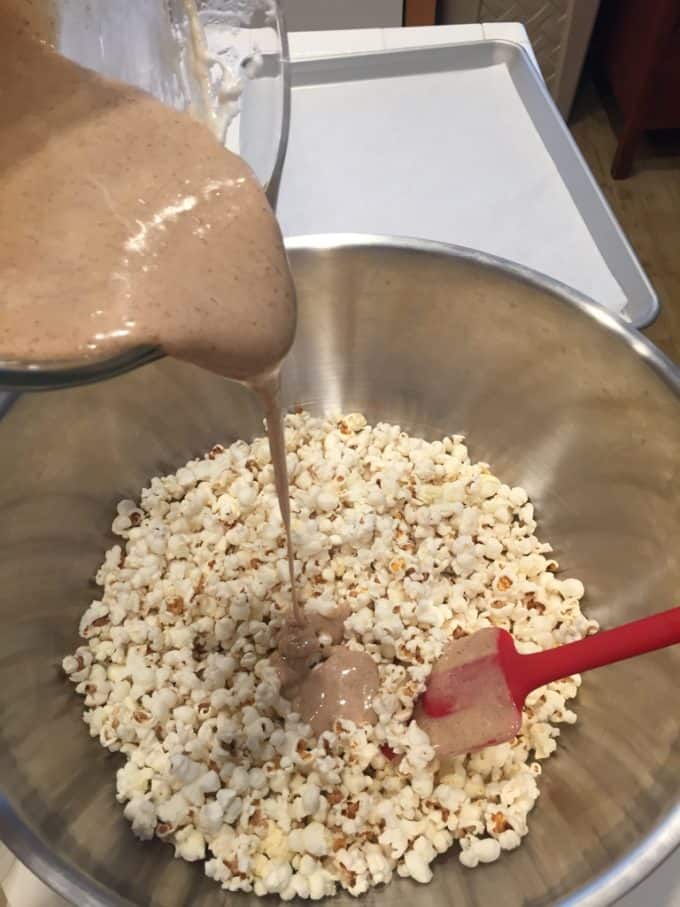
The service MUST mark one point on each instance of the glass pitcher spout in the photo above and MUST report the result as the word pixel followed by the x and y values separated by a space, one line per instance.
pixel 223 61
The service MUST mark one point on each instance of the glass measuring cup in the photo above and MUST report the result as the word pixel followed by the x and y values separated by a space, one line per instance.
pixel 226 61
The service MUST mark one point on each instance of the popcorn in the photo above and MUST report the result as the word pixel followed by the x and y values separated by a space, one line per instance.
pixel 420 545
pixel 315 839
pixel 141 813
pixel 190 844
pixel 210 818
pixel 417 861
pixel 479 850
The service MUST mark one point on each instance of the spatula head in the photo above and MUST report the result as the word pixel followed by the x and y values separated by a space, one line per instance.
pixel 468 702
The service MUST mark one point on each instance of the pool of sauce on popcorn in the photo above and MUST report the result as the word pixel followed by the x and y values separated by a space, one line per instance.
pixel 125 224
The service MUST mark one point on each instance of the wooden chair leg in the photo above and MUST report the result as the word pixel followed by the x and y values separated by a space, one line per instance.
pixel 622 164
pixel 420 12
pixel 654 40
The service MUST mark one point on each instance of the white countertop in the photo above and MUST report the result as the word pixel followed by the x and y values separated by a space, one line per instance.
pixel 364 40
pixel 662 888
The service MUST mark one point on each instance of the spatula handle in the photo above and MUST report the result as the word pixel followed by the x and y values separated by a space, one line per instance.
pixel 607 647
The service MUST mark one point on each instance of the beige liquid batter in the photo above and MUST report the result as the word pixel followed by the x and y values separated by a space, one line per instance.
pixel 342 686
pixel 132 212
pixel 323 680
pixel 123 224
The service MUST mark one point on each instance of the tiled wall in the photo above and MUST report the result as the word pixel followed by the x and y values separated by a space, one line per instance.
pixel 559 31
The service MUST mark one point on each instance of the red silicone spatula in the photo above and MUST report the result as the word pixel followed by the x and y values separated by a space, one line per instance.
pixel 477 688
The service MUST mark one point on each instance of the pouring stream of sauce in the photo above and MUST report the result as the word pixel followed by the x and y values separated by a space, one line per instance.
pixel 125 224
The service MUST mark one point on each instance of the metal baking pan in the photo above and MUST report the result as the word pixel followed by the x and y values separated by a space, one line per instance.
pixel 459 143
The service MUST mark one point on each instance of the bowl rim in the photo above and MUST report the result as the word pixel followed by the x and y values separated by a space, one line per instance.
pixel 611 321
pixel 635 864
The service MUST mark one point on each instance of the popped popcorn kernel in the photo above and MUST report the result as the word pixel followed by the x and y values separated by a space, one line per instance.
pixel 419 545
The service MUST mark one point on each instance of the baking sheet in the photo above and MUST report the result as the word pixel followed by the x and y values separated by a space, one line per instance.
pixel 458 143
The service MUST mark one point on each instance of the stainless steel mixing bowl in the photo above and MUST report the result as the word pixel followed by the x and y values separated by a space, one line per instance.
pixel 557 395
